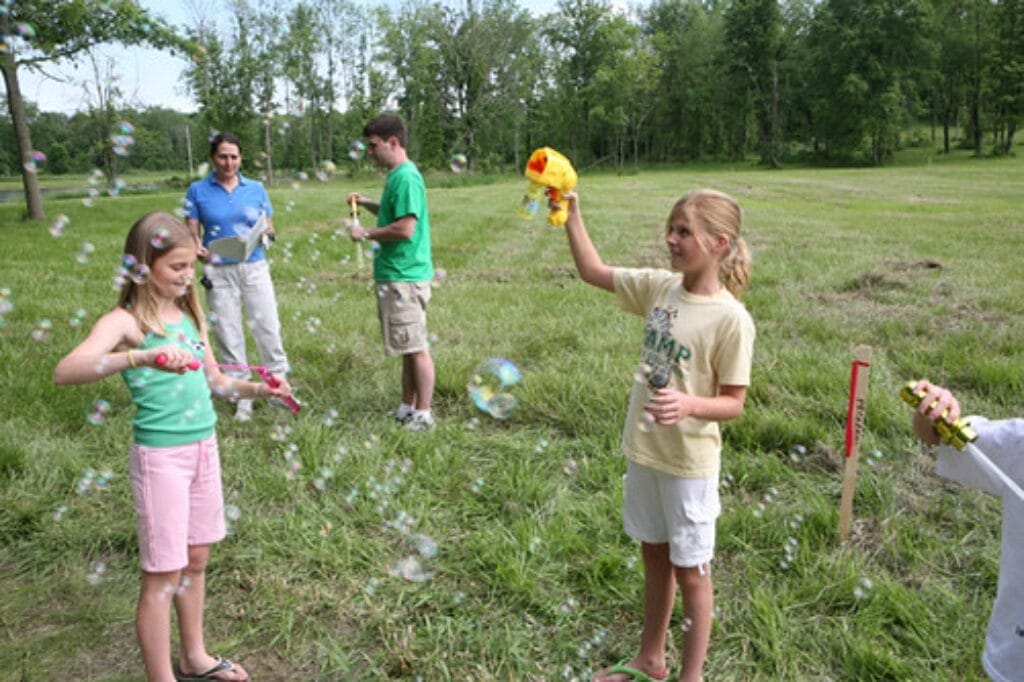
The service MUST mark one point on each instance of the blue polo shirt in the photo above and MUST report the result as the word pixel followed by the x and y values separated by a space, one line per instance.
pixel 227 214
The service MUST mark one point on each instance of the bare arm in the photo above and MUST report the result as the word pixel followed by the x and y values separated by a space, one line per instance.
pixel 400 230
pixel 229 387
pixel 366 202
pixel 103 352
pixel 588 261
pixel 669 406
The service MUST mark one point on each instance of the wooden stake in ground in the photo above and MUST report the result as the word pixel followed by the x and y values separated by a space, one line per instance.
pixel 855 414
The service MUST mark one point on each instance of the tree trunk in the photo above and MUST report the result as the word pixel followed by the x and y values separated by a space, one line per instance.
pixel 16 107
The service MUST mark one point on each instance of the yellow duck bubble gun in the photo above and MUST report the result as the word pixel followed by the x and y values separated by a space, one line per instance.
pixel 551 175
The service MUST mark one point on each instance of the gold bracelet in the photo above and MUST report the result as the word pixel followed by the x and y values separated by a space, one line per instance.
pixel 131 359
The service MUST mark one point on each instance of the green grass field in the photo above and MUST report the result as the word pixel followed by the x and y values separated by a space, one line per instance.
pixel 534 578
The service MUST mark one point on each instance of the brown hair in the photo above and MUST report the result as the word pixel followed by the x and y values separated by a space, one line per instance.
pixel 388 125
pixel 711 213
pixel 153 235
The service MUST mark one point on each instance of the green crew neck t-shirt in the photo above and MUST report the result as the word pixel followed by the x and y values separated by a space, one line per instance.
pixel 408 260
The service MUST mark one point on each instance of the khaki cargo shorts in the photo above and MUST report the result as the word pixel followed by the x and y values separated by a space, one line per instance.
pixel 402 309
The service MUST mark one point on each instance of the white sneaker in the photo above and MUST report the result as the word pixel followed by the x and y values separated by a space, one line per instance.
pixel 419 422
pixel 402 413
pixel 243 412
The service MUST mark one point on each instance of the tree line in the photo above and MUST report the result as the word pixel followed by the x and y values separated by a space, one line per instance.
pixel 836 81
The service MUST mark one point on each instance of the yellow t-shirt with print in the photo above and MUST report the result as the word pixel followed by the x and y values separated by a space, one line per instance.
pixel 697 343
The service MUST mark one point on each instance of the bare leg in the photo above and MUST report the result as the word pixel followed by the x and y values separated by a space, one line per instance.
pixel 153 624
pixel 698 602
pixel 659 598
pixel 418 379
pixel 189 603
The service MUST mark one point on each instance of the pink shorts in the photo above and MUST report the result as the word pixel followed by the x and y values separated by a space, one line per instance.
pixel 178 501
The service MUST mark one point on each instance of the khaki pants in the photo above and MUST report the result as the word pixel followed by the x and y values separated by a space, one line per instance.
pixel 249 285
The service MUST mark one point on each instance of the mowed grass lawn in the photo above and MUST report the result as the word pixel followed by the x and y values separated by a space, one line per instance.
pixel 533 577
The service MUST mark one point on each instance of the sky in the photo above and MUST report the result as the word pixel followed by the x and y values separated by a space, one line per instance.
pixel 148 77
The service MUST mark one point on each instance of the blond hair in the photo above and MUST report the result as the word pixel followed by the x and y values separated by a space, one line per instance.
pixel 711 213
pixel 152 236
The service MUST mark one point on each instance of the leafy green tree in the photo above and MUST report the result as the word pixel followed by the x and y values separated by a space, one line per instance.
pixel 1007 71
pixel 410 47
pixel 753 34
pixel 691 113
pixel 864 52
pixel 61 30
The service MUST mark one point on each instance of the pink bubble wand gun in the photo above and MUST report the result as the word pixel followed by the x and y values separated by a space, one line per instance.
pixel 271 381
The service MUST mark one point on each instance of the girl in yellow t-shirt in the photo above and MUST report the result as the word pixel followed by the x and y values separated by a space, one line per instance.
pixel 695 369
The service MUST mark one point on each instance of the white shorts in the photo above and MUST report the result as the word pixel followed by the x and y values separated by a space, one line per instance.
pixel 659 508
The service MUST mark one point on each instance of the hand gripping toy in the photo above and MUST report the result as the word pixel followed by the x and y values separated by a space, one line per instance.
pixel 961 436
pixel 550 174
pixel 270 380
pixel 194 364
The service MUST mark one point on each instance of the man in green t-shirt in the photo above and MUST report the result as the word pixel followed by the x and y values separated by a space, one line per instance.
pixel 402 267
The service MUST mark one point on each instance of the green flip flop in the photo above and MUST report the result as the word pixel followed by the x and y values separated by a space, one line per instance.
pixel 636 675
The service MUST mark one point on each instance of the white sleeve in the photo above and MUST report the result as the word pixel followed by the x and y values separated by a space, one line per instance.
pixel 1001 442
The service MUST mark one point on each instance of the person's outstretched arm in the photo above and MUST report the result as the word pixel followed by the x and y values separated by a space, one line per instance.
pixel 588 261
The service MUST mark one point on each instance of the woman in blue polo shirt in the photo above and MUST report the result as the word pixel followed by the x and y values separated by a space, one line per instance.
pixel 228 204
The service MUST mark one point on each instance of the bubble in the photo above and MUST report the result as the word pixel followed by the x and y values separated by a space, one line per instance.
pixel 570 467
pixel 440 276
pixel 24 30
pixel 117 187
pixel 686 625
pixel 58 512
pixel 42 331
pixel 98 414
pixel 356 150
pixel 331 417
pixel 159 239
pixel 412 570
pixel 535 544
pixel 59 224
pixel 458 162
pixel 84 253
pixel 203 169
pixel 95 576
pixel 875 457
pixel 798 454
pixel 426 547
pixel 568 606
pixel 232 513
pixel 183 586
pixel 490 385
pixel 125 128
pixel 140 273
pixel 95 177
pixel 477 486
pixel 862 590
pixel 646 422
pixel 36 161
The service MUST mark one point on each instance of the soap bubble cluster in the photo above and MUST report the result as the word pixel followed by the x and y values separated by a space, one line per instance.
pixel 491 384
pixel 59 224
pixel 42 331
pixel 90 480
pixel 98 413
pixel 122 139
